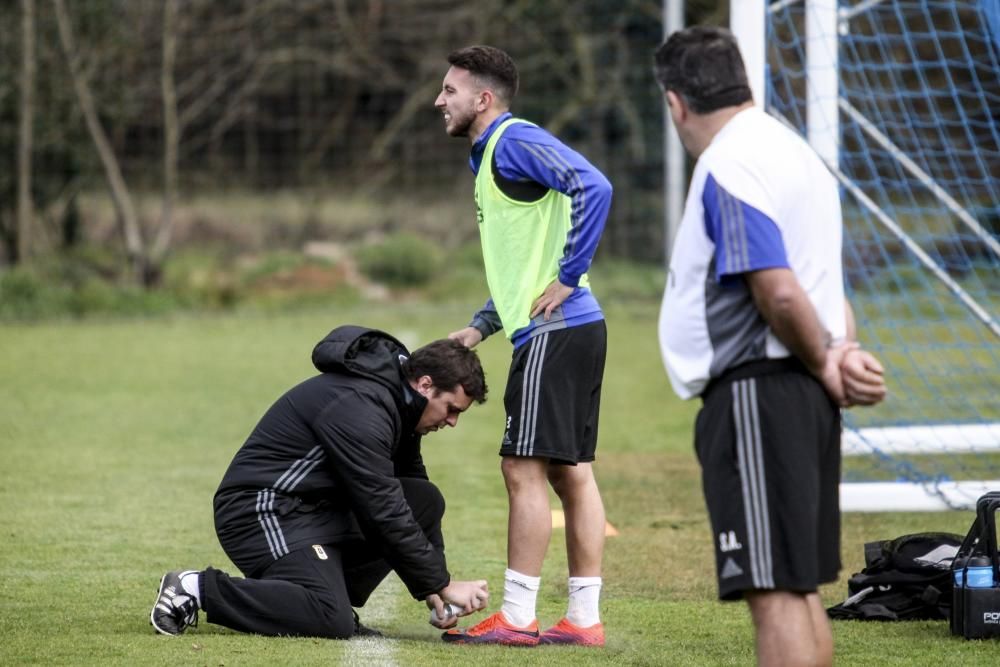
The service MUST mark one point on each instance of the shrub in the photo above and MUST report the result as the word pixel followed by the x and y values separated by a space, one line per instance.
pixel 26 296
pixel 400 260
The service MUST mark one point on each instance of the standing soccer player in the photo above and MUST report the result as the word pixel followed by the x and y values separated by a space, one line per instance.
pixel 754 321
pixel 541 210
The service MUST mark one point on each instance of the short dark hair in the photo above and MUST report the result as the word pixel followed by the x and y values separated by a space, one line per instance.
pixel 493 68
pixel 449 364
pixel 703 65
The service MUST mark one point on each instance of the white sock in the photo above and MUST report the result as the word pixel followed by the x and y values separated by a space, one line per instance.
pixel 191 582
pixel 584 595
pixel 519 595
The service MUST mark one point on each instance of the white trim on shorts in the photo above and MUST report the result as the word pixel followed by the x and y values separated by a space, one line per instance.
pixel 530 390
pixel 750 454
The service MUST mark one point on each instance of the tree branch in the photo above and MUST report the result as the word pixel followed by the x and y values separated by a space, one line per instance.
pixel 25 135
pixel 134 246
pixel 171 133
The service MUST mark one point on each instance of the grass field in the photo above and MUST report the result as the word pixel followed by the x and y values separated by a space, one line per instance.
pixel 115 434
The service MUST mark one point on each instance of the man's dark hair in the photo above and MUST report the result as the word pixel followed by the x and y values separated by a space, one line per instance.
pixel 703 65
pixel 492 67
pixel 449 364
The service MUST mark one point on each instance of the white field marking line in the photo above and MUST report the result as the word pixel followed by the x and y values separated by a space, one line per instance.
pixel 381 606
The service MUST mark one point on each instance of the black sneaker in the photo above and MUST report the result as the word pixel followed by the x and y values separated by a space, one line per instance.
pixel 363 630
pixel 174 611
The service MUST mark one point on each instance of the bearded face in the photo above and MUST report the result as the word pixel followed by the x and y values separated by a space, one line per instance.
pixel 457 102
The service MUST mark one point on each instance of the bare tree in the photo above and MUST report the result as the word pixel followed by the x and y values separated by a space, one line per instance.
pixel 124 206
pixel 335 93
pixel 171 134
pixel 25 208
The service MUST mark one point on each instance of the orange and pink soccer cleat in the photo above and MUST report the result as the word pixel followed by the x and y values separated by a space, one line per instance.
pixel 565 632
pixel 494 630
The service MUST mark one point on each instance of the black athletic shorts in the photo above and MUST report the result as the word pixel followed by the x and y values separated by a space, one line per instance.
pixel 768 439
pixel 554 395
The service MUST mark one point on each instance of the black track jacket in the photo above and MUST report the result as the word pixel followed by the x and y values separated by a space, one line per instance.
pixel 321 466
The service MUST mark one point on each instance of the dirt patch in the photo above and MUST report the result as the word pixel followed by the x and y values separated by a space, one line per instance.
pixel 306 278
pixel 331 267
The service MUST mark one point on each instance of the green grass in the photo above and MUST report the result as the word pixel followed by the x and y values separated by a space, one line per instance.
pixel 114 435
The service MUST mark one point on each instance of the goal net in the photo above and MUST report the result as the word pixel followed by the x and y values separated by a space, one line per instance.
pixel 902 99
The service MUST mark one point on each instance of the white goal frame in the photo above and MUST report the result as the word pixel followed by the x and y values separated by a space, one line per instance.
pixel 824 22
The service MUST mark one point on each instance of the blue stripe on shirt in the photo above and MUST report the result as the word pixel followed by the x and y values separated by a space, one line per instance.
pixel 745 238
pixel 527 152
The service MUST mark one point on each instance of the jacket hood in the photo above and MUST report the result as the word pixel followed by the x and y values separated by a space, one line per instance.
pixel 355 350
pixel 369 353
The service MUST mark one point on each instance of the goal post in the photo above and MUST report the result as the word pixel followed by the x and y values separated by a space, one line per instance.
pixel 901 99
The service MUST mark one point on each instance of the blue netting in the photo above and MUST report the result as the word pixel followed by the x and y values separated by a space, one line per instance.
pixel 925 75
pixel 991 12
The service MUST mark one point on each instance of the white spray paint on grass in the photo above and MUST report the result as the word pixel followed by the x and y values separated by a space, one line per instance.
pixel 380 608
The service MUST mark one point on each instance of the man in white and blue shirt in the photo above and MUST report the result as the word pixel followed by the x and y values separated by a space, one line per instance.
pixel 754 322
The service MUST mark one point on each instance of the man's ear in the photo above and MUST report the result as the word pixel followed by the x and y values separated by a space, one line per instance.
pixel 425 385
pixel 678 110
pixel 485 101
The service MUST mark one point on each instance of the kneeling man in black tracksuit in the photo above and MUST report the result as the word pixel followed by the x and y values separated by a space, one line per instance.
pixel 329 493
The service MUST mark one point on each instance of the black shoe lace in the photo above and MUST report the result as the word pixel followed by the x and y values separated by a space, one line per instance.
pixel 187 612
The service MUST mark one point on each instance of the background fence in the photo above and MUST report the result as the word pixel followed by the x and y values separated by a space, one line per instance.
pixel 323 99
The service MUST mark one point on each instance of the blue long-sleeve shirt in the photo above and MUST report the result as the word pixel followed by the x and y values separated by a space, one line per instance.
pixel 526 152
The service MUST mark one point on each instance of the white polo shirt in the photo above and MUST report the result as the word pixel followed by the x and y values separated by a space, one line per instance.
pixel 759 198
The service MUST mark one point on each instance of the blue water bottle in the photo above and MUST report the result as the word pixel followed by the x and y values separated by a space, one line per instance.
pixel 958 569
pixel 979 573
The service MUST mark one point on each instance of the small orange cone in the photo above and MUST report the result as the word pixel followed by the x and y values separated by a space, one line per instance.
pixel 559 521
